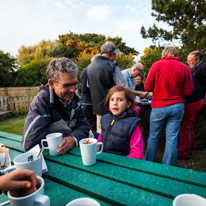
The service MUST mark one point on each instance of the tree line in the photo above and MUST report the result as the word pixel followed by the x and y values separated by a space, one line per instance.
pixel 186 18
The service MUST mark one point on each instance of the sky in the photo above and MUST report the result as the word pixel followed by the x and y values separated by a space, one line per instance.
pixel 28 22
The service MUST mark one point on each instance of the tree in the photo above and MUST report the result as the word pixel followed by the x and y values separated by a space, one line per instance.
pixel 33 73
pixel 188 19
pixel 150 55
pixel 8 64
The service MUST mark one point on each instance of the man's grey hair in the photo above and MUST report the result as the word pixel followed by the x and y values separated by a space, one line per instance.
pixel 94 57
pixel 61 65
pixel 197 55
pixel 108 48
pixel 170 51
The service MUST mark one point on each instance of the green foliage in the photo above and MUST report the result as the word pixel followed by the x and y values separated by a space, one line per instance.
pixel 187 19
pixel 33 73
pixel 125 61
pixel 150 56
pixel 78 47
pixel 8 64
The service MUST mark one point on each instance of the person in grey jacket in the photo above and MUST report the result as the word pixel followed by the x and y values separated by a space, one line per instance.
pixel 57 108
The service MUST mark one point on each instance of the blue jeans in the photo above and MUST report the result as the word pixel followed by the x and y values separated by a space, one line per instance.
pixel 171 116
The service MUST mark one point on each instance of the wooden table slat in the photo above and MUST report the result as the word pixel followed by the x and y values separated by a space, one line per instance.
pixel 104 189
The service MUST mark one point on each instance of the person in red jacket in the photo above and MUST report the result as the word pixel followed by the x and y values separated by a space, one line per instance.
pixel 169 80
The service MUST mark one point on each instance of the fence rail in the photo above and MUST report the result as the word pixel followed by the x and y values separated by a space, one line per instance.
pixel 18 91
pixel 16 104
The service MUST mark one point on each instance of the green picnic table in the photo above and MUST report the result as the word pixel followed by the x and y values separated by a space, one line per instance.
pixel 113 180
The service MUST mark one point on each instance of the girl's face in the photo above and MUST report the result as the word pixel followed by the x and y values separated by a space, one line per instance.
pixel 118 103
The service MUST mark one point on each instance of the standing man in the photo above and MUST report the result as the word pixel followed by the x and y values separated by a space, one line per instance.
pixel 57 108
pixel 169 80
pixel 130 74
pixel 195 62
pixel 139 86
pixel 102 75
pixel 86 97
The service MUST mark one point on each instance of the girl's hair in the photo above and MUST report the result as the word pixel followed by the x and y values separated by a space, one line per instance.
pixel 128 94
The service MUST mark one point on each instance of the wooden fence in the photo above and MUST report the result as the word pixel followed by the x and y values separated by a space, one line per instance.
pixel 18 91
pixel 16 104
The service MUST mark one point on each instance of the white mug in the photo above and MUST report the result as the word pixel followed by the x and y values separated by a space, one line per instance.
pixel 36 198
pixel 189 200
pixel 89 151
pixel 83 201
pixel 53 140
pixel 22 161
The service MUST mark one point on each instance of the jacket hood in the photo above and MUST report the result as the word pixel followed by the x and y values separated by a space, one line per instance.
pixel 136 109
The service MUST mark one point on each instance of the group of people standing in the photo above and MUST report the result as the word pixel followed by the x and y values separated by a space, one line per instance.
pixel 177 98
pixel 109 107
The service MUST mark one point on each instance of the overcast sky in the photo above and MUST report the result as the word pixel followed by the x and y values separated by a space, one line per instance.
pixel 27 22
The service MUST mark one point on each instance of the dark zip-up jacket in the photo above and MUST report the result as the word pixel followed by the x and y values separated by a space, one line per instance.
pixel 47 114
pixel 200 75
pixel 100 77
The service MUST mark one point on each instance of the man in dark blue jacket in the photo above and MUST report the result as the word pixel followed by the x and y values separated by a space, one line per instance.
pixel 57 108
pixel 195 62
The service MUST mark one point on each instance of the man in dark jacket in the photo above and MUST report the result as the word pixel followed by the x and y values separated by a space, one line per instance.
pixel 102 75
pixel 195 62
pixel 86 97
pixel 57 108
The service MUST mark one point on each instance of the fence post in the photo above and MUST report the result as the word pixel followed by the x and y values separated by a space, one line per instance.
pixel 16 105
pixel 2 102
pixel 11 104
pixel 6 103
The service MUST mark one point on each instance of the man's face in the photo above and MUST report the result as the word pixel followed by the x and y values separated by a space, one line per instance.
pixel 137 80
pixel 192 62
pixel 65 94
pixel 135 73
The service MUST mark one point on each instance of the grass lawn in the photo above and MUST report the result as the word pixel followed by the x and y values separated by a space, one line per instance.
pixel 15 124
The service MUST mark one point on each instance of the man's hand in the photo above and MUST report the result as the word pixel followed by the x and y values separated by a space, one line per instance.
pixel 144 95
pixel 18 179
pixel 98 147
pixel 66 144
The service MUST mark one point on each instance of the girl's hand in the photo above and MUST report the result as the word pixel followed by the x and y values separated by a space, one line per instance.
pixel 98 147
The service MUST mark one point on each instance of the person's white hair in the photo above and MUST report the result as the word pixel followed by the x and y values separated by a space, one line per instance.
pixel 108 48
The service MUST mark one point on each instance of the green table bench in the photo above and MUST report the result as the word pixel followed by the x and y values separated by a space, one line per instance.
pixel 113 180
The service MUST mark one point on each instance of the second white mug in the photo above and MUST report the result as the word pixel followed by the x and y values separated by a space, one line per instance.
pixel 89 151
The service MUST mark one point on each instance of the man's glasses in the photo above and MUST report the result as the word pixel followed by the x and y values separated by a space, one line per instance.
pixel 69 86
pixel 141 71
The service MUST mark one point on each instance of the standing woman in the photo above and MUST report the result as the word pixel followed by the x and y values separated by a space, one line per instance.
pixel 169 80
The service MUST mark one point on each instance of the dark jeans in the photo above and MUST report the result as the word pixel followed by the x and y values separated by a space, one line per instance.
pixel 91 118
pixel 200 129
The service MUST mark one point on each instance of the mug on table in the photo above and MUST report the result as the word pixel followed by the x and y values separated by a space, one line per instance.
pixel 53 140
pixel 22 160
pixel 36 198
pixel 88 148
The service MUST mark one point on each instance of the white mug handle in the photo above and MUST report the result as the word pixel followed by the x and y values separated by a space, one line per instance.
pixel 9 168
pixel 100 143
pixel 42 200
pixel 44 140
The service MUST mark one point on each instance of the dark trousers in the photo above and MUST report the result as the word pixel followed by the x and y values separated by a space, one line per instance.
pixel 186 128
pixel 91 118
pixel 200 129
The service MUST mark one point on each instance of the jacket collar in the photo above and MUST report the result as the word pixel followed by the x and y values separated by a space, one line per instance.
pixel 124 114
